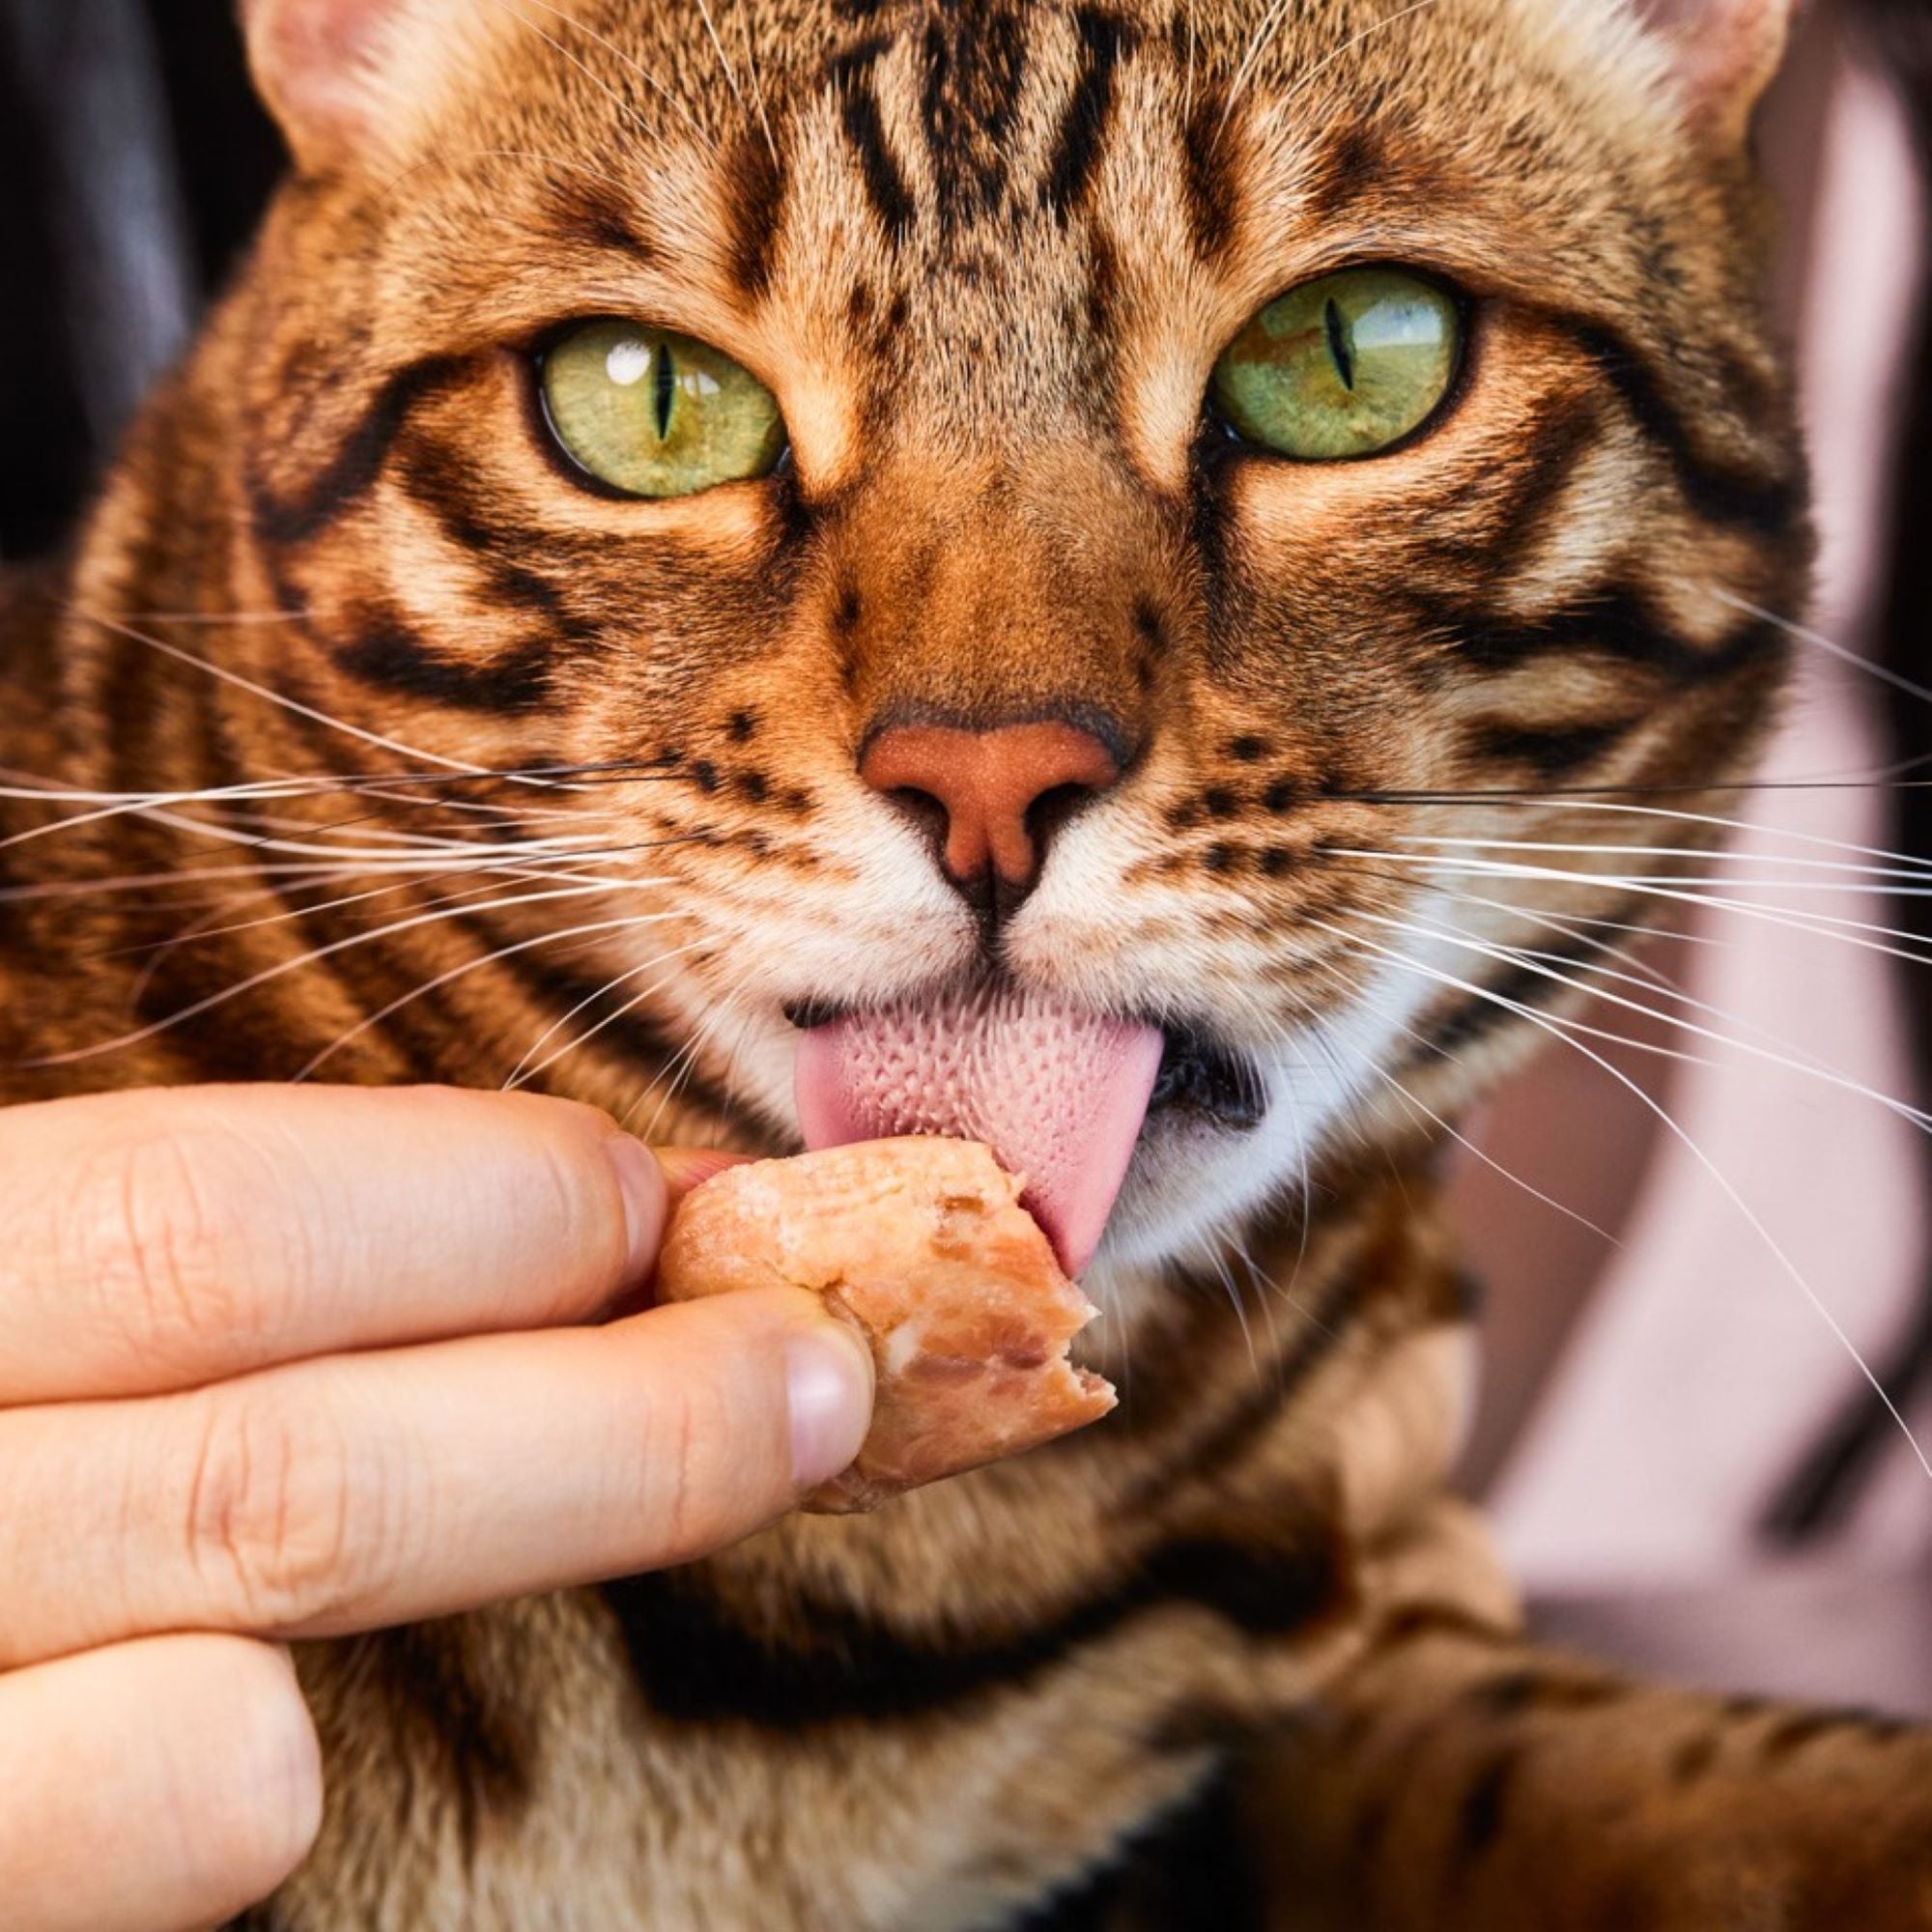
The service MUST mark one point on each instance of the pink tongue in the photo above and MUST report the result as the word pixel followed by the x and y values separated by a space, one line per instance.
pixel 1058 1095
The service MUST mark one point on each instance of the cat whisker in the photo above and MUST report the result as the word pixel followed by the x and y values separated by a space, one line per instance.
pixel 724 66
pixel 1545 1024
pixel 530 1068
pixel 684 1064
pixel 631 113
pixel 290 913
pixel 1272 25
pixel 586 934
pixel 756 78
pixel 1421 1107
pixel 631 61
pixel 115 627
pixel 1817 639
pixel 1215 1259
pixel 284 967
pixel 1864 934
pixel 1851 871
pixel 1552 967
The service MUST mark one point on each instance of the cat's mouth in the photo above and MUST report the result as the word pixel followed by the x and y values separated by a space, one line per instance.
pixel 1063 1095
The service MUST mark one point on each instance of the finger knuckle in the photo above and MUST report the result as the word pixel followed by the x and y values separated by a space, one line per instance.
pixel 284 1513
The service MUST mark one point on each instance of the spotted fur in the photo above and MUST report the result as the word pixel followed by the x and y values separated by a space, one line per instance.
pixel 1234 1658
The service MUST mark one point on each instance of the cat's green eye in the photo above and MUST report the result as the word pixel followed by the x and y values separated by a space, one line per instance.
pixel 656 414
pixel 1344 367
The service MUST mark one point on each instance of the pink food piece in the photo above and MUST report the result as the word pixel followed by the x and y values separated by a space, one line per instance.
pixel 924 1247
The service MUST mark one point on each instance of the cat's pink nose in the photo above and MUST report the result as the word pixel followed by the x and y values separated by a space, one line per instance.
pixel 988 786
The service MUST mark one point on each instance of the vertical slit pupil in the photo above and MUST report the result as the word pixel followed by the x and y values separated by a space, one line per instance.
pixel 1339 345
pixel 664 377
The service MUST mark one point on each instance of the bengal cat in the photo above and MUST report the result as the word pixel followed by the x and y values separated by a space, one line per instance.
pixel 701 522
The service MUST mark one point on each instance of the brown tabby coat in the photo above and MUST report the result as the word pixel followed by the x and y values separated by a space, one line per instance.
pixel 1234 1658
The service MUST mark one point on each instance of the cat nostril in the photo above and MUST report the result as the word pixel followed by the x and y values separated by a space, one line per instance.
pixel 1050 811
pixel 994 798
pixel 925 811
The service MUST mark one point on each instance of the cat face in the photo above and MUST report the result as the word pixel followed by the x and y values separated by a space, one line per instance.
pixel 1077 508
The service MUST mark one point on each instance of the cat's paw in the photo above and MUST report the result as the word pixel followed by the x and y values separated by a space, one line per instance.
pixel 1811 1820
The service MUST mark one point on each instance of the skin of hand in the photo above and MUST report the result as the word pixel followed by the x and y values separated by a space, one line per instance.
pixel 287 1362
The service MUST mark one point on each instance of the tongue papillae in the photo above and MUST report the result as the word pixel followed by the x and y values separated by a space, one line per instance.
pixel 1057 1095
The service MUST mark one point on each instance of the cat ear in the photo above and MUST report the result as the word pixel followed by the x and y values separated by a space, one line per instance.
pixel 1728 53
pixel 351 81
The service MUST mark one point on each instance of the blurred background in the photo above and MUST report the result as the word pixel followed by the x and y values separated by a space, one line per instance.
pixel 1686 1462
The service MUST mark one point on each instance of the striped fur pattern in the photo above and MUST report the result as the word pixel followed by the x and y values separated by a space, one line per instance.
pixel 575 771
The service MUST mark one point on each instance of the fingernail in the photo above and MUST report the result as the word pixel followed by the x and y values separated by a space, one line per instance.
pixel 641 1183
pixel 829 1386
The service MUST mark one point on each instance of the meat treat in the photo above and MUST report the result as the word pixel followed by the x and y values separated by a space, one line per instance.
pixel 924 1247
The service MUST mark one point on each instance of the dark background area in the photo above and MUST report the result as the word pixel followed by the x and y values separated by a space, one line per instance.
pixel 104 103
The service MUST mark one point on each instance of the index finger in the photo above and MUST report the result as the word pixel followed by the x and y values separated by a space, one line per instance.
pixel 158 1240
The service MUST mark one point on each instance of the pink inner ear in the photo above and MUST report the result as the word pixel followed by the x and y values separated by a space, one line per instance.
pixel 318 63
pixel 1730 53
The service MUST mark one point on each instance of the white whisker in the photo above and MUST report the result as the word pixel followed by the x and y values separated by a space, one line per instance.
pixel 1405 962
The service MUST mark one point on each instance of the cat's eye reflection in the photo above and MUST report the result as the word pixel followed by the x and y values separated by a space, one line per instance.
pixel 1346 366
pixel 652 414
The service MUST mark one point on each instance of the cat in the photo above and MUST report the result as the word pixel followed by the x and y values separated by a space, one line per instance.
pixel 699 524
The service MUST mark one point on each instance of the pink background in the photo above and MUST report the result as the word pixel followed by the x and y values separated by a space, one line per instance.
pixel 1645 1399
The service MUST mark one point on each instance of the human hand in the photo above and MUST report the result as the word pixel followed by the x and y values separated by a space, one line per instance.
pixel 282 1362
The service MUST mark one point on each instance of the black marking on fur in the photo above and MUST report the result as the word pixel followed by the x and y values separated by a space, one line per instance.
pixel 696 1662
pixel 1511 1694
pixel 359 458
pixel 1189 1869
pixel 1561 445
pixel 443 481
pixel 1799 1728
pixel 761 174
pixel 1347 170
pixel 1694 1758
pixel 1208 183
pixel 851 75
pixel 1103 291
pixel 386 653
pixel 590 212
pixel 427 1686
pixel 1616 621
pixel 1523 986
pixel 1480 1815
pixel 1104 42
pixel 976 58
pixel 1766 505
pixel 1555 751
